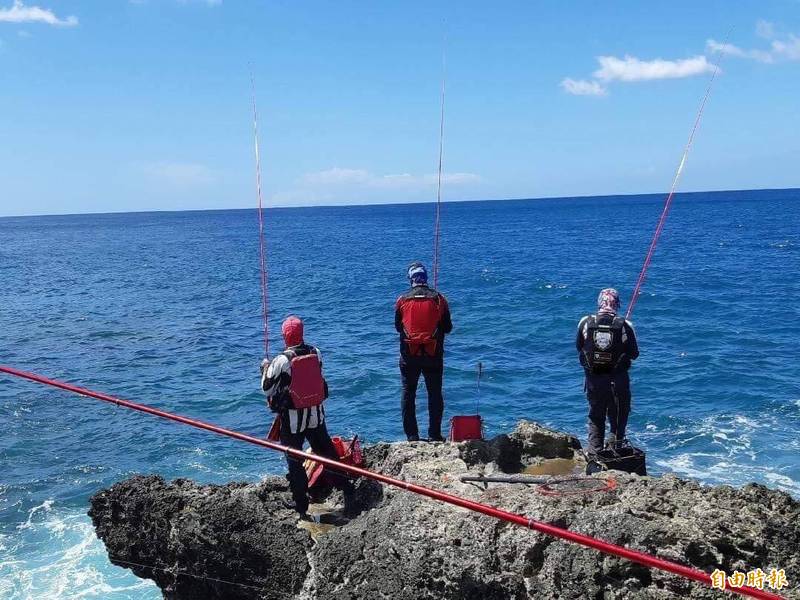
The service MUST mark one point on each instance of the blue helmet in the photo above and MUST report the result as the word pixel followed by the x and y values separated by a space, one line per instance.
pixel 417 274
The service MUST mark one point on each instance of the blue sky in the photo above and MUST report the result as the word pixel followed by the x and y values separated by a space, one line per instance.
pixel 145 105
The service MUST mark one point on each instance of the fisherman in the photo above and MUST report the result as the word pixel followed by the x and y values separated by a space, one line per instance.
pixel 606 346
pixel 422 318
pixel 296 389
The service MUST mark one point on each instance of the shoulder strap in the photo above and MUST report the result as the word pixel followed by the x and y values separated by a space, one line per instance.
pixel 618 323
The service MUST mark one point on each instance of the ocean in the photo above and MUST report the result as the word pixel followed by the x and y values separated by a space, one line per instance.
pixel 164 309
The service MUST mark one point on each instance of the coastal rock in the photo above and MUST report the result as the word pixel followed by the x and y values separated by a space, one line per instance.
pixel 240 541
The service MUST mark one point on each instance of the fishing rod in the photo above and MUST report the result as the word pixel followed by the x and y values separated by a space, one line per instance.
pixel 668 201
pixel 636 556
pixel 436 227
pixel 261 245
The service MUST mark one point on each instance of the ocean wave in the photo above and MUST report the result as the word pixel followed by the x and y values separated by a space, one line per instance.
pixel 60 557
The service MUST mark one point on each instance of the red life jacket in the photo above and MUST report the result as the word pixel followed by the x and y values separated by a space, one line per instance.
pixel 421 317
pixel 307 387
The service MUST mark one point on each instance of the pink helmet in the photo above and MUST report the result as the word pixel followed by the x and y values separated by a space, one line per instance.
pixel 292 330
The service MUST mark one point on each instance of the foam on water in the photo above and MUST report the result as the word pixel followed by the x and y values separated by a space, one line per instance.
pixel 64 559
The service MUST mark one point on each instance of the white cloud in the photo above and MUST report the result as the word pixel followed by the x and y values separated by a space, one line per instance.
pixel 180 174
pixel 789 49
pixel 356 186
pixel 20 13
pixel 362 178
pixel 581 87
pixel 206 2
pixel 730 50
pixel 631 68
pixel 765 29
pixel 782 46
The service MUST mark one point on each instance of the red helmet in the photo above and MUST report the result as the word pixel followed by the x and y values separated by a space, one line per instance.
pixel 292 330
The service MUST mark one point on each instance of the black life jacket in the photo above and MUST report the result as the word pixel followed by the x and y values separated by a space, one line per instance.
pixel 603 348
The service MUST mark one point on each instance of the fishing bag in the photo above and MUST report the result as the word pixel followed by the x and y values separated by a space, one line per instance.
pixel 466 427
pixel 622 456
pixel 349 453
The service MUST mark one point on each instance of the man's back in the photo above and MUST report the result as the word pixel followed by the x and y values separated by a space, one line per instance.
pixel 422 318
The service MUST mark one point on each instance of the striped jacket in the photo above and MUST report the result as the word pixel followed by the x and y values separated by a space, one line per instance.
pixel 275 382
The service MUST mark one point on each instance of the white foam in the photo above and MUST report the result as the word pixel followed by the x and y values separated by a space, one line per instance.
pixel 44 507
pixel 70 563
pixel 749 422
pixel 783 482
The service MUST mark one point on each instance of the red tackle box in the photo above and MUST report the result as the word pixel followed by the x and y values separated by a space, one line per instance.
pixel 466 427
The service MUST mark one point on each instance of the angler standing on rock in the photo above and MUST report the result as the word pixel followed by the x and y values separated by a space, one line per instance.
pixel 295 390
pixel 606 346
pixel 422 318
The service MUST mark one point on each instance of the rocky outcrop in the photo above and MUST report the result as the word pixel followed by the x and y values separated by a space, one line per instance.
pixel 241 541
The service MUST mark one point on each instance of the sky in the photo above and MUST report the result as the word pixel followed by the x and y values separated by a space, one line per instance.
pixel 128 105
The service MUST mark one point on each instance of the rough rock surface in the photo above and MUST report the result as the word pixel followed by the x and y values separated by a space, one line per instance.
pixel 240 541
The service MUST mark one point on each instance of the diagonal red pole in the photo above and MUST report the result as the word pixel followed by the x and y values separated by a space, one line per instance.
pixel 641 558
pixel 668 201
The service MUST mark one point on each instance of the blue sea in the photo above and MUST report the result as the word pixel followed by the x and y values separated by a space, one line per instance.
pixel 164 309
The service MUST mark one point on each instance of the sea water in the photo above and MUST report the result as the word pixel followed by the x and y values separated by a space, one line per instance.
pixel 164 309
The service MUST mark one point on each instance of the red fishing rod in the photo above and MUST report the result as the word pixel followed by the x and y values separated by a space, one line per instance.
pixel 668 202
pixel 642 558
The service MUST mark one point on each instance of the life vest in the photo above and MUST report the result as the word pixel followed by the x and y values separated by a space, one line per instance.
pixel 307 386
pixel 602 345
pixel 422 312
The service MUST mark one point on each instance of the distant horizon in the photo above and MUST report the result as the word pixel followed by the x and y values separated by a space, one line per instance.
pixel 395 203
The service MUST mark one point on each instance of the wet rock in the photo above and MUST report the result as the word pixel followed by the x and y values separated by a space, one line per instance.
pixel 205 541
pixel 239 541
pixel 536 441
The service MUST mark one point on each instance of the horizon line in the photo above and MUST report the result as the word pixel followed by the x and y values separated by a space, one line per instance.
pixel 344 205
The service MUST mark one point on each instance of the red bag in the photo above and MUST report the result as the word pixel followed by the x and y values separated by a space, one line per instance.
pixel 349 453
pixel 467 427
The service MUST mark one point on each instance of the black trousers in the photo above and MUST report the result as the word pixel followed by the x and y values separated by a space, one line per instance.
pixel 321 444
pixel 432 372
pixel 609 397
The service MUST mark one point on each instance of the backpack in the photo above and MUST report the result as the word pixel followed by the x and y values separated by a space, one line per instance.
pixel 307 386
pixel 421 316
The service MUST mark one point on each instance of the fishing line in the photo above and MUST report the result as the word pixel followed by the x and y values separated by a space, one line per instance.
pixel 675 179
pixel 261 245
pixel 178 573
pixel 436 227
